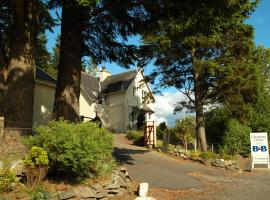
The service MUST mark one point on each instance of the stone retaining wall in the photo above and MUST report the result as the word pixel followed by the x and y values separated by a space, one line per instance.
pixel 118 184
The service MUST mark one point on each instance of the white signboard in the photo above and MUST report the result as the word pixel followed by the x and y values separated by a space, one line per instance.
pixel 259 149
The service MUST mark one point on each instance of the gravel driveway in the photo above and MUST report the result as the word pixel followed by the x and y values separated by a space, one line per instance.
pixel 174 179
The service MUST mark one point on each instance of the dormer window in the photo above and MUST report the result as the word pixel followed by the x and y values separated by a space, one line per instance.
pixel 134 91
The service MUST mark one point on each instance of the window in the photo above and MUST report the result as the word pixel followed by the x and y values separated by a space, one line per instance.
pixel 144 94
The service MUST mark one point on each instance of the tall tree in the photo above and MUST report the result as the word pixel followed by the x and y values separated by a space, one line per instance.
pixel 29 18
pixel 188 44
pixel 69 70
pixel 93 29
pixel 6 21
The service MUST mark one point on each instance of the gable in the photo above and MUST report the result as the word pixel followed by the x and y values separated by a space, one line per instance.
pixel 118 82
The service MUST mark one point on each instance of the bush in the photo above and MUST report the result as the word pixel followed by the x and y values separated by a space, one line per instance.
pixel 36 162
pixel 137 137
pixel 236 139
pixel 8 180
pixel 208 155
pixel 215 125
pixel 38 193
pixel 74 150
pixel 194 154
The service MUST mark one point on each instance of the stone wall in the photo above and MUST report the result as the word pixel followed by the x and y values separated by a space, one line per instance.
pixel 118 184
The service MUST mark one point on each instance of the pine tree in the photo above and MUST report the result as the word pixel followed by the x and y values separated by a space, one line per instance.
pixel 97 30
pixel 27 19
pixel 189 42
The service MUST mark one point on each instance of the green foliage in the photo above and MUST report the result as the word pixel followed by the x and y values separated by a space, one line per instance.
pixel 136 136
pixel 208 155
pixel 36 163
pixel 194 154
pixel 38 193
pixel 236 139
pixel 8 180
pixel 74 150
pixel 161 128
pixel 36 157
pixel 186 129
pixel 215 125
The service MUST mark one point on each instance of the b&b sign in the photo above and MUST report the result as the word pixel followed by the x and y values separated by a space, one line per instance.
pixel 259 149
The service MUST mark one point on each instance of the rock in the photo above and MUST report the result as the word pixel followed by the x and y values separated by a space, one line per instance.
pixel 222 160
pixel 18 167
pixel 228 162
pixel 53 196
pixel 115 191
pixel 112 186
pixel 237 166
pixel 21 195
pixel 123 170
pixel 121 192
pixel 121 182
pixel 143 189
pixel 230 167
pixel 145 198
pixel 218 163
pixel 67 194
pixel 85 192
pixel 97 187
pixel 102 194
pixel 207 161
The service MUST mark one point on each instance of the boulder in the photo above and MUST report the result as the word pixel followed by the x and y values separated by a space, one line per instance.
pixel 218 163
pixel 112 186
pixel 143 189
pixel 67 194
pixel 85 192
pixel 102 194
pixel 228 162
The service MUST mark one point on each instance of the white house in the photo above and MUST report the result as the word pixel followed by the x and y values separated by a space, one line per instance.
pixel 120 101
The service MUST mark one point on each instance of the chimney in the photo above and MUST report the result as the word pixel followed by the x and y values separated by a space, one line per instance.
pixel 103 74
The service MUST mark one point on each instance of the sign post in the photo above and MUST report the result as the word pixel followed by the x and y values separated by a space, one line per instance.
pixel 259 149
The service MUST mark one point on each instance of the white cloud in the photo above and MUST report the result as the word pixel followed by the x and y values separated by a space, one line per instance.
pixel 164 107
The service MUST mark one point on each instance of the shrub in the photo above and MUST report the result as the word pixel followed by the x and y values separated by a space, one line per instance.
pixel 236 139
pixel 161 128
pixel 74 150
pixel 136 136
pixel 215 125
pixel 208 155
pixel 38 193
pixel 36 162
pixel 8 180
pixel 194 154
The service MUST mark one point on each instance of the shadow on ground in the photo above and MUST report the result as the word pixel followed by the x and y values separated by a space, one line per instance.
pixel 123 155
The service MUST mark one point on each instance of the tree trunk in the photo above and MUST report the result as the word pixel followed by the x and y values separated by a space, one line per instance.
pixel 67 94
pixel 19 97
pixel 3 78
pixel 200 123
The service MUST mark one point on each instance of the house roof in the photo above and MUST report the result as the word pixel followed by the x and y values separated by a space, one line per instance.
pixel 41 75
pixel 118 82
pixel 90 85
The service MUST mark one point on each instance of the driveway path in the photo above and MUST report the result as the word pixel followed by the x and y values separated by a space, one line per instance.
pixel 189 180
pixel 159 170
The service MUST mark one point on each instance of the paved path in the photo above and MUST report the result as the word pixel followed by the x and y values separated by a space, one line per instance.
pixel 157 169
pixel 199 182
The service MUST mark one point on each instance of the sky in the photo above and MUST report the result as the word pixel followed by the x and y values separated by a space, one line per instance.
pixel 164 106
